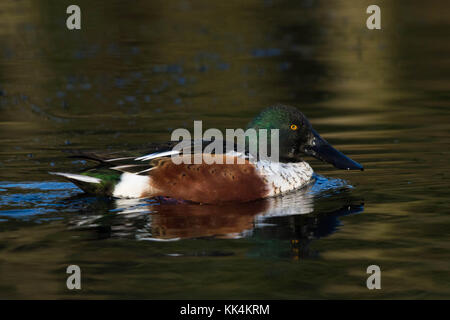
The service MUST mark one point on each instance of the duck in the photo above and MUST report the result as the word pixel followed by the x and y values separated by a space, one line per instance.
pixel 240 177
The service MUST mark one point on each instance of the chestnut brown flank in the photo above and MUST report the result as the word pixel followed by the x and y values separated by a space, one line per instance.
pixel 208 183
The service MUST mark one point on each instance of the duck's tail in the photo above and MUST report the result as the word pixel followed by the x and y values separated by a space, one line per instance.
pixel 93 182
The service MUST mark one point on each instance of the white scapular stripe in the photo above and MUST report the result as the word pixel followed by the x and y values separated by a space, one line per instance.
pixel 125 166
pixel 237 154
pixel 132 186
pixel 146 170
pixel 158 155
pixel 118 159
pixel 78 177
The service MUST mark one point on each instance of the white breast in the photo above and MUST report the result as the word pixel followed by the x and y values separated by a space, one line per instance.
pixel 284 177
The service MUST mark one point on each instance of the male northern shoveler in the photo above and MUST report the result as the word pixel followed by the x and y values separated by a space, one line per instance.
pixel 155 174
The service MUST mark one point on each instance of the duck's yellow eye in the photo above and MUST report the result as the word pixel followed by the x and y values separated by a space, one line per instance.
pixel 294 127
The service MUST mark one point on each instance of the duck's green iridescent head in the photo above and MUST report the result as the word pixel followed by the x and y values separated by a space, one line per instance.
pixel 297 137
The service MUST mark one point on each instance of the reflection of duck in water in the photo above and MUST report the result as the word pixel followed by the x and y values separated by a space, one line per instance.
pixel 298 217
pixel 243 178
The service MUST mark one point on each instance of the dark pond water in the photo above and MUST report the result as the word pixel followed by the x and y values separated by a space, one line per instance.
pixel 139 69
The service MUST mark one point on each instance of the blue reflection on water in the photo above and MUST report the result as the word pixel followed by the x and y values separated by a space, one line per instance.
pixel 24 199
